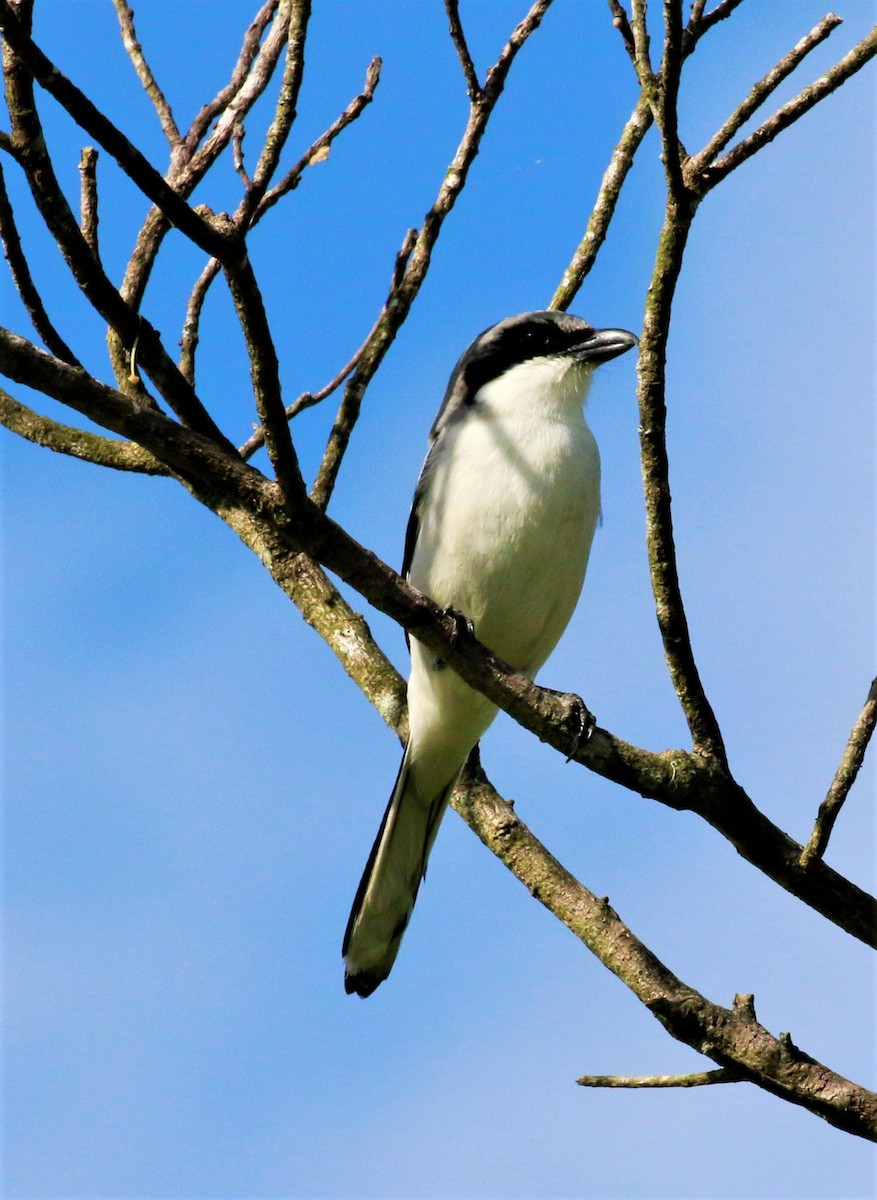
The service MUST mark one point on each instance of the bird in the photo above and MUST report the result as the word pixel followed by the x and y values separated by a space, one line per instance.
pixel 500 533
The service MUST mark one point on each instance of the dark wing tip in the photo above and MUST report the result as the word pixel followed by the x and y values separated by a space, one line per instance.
pixel 362 983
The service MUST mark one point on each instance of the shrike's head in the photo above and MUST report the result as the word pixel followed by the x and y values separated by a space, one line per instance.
pixel 534 356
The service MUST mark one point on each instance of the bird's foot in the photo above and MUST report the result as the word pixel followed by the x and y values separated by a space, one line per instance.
pixel 578 720
pixel 463 628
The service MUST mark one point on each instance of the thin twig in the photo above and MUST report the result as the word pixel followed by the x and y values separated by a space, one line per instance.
pixel 721 12
pixel 284 112
pixel 622 24
pixel 95 123
pixel 190 334
pixel 700 22
pixel 131 328
pixel 695 1079
pixel 265 374
pixel 758 95
pixel 795 109
pixel 88 211
pixel 241 72
pixel 144 73
pixel 237 153
pixel 309 399
pixel 318 149
pixel 634 131
pixel 850 764
pixel 668 97
pixel 192 323
pixel 453 183
pixel 458 37
pixel 641 58
pixel 24 283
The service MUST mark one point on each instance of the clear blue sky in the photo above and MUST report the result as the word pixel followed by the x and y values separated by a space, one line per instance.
pixel 193 784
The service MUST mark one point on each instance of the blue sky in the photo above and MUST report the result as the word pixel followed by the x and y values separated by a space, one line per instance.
pixel 192 783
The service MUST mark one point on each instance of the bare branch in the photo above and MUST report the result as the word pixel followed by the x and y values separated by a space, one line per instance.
pixel 265 375
pixel 241 71
pixel 453 183
pixel 733 1038
pixel 90 447
pixel 850 764
pixel 319 148
pixel 622 24
pixel 237 154
pixel 190 334
pixel 794 110
pixel 129 158
pixel 651 369
pixel 88 219
pixel 695 1079
pixel 458 37
pixel 642 58
pixel 758 95
pixel 309 399
pixel 603 211
pixel 668 97
pixel 135 52
pixel 284 113
pixel 700 22
pixel 24 281
pixel 192 323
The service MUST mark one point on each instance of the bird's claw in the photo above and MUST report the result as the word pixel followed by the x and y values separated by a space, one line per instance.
pixel 463 628
pixel 580 721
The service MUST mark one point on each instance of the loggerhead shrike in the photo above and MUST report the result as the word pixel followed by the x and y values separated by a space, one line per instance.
pixel 500 531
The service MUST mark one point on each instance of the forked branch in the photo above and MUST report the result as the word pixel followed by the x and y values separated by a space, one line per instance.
pixel 850 765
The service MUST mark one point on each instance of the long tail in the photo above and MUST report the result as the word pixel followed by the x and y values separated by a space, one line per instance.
pixel 388 888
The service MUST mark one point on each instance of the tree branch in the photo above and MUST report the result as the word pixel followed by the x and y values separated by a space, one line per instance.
pixel 388 325
pixel 135 52
pixel 651 370
pixel 90 447
pixel 695 1079
pixel 129 158
pixel 857 58
pixel 309 399
pixel 759 94
pixel 24 281
pixel 733 1038
pixel 88 220
pixel 132 329
pixel 850 764
pixel 638 125
pixel 458 37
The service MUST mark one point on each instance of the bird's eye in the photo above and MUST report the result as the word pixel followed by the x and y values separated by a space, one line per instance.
pixel 536 339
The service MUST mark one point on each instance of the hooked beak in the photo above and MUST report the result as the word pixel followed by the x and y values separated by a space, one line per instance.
pixel 604 344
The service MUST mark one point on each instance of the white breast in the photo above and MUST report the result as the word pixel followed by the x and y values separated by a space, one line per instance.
pixel 509 513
